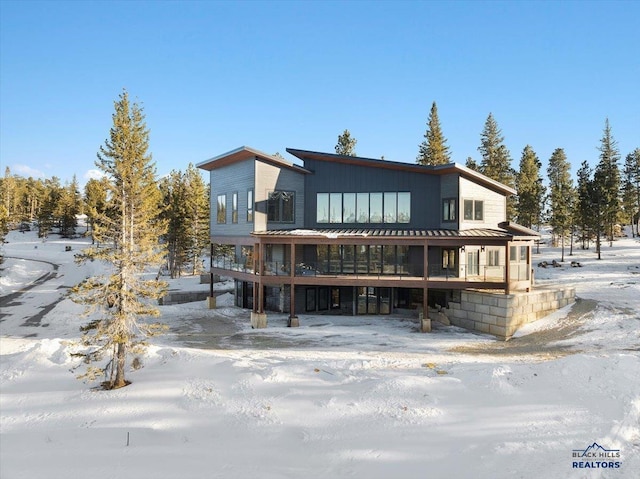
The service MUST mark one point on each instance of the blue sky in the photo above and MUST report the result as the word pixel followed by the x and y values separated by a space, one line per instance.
pixel 213 76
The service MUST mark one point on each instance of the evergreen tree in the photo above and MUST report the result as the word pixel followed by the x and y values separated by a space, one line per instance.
pixel 631 190
pixel 4 228
pixel 560 187
pixel 346 144
pixel 584 211
pixel 496 159
pixel 186 210
pixel 434 149
pixel 95 200
pixel 175 213
pixel 130 233
pixel 198 214
pixel 607 181
pixel 530 189
pixel 471 164
pixel 48 214
pixel 69 207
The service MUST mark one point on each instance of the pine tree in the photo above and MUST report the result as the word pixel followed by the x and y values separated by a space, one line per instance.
pixel 471 164
pixel 560 187
pixel 48 217
pixel 631 190
pixel 584 210
pixel 175 203
pixel 198 212
pixel 607 181
pixel 346 144
pixel 530 189
pixel 496 159
pixel 130 232
pixel 434 149
pixel 95 200
pixel 69 207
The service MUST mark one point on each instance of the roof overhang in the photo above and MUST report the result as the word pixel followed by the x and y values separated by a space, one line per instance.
pixel 519 232
pixel 246 153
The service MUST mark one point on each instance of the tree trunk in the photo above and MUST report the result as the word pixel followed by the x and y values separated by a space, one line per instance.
pixel 121 355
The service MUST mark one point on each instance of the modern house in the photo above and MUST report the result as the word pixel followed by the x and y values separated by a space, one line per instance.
pixel 350 235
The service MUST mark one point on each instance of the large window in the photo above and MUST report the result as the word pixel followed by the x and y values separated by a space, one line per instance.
pixel 249 206
pixel 322 208
pixel 234 207
pixel 404 207
pixel 449 209
pixel 280 206
pixel 363 207
pixel 335 207
pixel 349 207
pixel 222 209
pixel 389 207
pixel 473 210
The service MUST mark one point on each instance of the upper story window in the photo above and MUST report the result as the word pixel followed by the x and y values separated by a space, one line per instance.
pixel 222 209
pixel 234 207
pixel 249 206
pixel 449 209
pixel 473 210
pixel 388 207
pixel 280 206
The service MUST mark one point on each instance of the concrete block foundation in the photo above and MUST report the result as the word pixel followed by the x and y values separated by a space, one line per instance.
pixel 502 315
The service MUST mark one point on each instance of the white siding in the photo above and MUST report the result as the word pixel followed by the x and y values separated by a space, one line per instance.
pixel 495 205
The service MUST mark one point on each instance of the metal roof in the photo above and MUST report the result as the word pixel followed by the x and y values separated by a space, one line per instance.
pixel 381 232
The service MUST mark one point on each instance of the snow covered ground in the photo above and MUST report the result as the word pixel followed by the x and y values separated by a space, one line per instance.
pixel 338 397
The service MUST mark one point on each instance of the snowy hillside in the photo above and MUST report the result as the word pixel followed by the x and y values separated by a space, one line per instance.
pixel 338 397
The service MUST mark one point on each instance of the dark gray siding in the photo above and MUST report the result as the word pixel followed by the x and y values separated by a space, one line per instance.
pixel 449 186
pixel 330 177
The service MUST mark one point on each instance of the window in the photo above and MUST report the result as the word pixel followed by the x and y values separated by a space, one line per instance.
pixel 280 206
pixel 375 207
pixel 222 209
pixel 449 209
pixel 250 206
pixel 390 207
pixel 322 207
pixel 349 207
pixel 493 257
pixel 310 299
pixel 363 207
pixel 234 207
pixel 473 210
pixel 335 207
pixel 523 254
pixel 404 207
pixel 478 213
pixel 448 259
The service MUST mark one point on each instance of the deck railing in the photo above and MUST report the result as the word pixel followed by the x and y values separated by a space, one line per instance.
pixel 327 269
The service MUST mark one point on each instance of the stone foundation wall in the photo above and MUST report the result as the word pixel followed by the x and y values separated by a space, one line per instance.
pixel 502 314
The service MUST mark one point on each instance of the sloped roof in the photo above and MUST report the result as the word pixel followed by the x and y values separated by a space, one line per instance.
pixel 518 230
pixel 244 153
pixel 396 165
